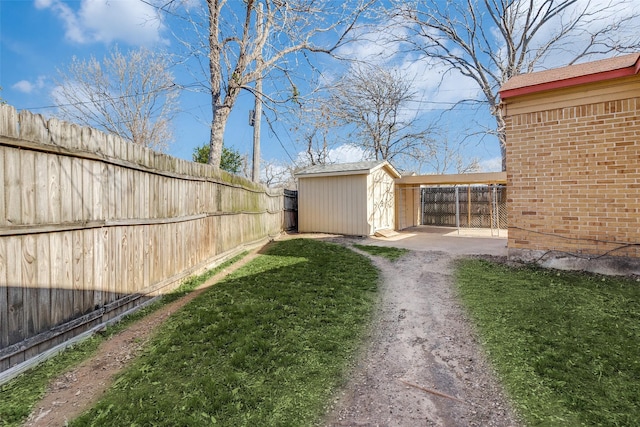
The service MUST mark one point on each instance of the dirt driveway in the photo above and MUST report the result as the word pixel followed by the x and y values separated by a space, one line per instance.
pixel 421 367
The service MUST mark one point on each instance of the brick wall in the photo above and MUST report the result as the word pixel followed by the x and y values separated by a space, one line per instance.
pixel 574 179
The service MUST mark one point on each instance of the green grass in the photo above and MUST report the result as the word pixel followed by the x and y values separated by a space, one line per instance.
pixel 390 253
pixel 566 345
pixel 268 346
pixel 20 395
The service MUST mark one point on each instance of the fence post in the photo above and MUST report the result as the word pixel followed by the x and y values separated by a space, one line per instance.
pixel 422 197
pixel 457 210
pixel 469 206
pixel 497 209
pixel 492 207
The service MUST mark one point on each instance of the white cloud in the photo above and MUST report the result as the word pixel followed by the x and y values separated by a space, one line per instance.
pixel 491 165
pixel 376 44
pixel 43 4
pixel 372 50
pixel 26 86
pixel 436 86
pixel 347 153
pixel 23 86
pixel 132 22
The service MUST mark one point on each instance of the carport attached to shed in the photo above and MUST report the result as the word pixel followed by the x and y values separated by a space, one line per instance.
pixel 408 197
pixel 351 198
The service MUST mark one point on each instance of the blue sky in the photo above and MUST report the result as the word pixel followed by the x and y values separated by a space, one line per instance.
pixel 40 36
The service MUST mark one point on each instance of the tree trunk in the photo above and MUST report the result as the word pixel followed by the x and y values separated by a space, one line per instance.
pixel 502 136
pixel 218 119
pixel 216 140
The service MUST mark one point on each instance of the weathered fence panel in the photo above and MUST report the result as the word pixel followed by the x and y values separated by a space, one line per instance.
pixel 290 210
pixel 481 206
pixel 91 226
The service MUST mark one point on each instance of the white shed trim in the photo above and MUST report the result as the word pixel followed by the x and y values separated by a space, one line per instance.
pixel 340 169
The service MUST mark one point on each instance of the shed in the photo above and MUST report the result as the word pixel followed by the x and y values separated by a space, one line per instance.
pixel 351 198
pixel 573 165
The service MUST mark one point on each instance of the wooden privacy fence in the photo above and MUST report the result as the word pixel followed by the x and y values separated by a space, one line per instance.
pixel 479 206
pixel 91 226
pixel 290 210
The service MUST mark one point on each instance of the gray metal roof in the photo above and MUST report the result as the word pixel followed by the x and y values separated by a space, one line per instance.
pixel 345 168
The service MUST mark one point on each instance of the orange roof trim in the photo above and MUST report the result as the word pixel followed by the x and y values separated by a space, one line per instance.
pixel 558 78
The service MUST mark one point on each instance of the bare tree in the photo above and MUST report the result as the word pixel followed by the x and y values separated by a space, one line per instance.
pixel 278 174
pixel 313 121
pixel 489 41
pixel 317 145
pixel 446 156
pixel 240 53
pixel 129 94
pixel 377 104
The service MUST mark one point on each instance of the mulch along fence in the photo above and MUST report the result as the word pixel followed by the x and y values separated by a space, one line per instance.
pixel 91 226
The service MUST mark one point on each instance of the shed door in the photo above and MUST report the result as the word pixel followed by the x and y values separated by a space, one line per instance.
pixel 382 200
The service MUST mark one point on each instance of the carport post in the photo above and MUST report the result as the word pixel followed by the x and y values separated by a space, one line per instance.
pixel 457 209
pixel 422 204
pixel 492 207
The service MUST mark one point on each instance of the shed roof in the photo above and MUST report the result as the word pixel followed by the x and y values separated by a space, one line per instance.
pixel 589 72
pixel 454 179
pixel 357 168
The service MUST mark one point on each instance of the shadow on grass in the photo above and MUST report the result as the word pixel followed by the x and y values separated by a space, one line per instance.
pixel 19 396
pixel 266 346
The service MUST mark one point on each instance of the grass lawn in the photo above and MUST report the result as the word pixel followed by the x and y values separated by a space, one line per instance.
pixel 20 395
pixel 268 345
pixel 566 345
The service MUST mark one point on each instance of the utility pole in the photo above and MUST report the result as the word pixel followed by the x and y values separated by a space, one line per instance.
pixel 257 114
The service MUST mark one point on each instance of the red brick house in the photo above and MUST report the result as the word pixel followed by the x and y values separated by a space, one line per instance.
pixel 573 165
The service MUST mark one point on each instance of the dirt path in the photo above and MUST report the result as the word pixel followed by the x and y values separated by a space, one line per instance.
pixel 423 366
pixel 76 391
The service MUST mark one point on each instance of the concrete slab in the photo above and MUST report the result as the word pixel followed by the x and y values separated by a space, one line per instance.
pixel 447 239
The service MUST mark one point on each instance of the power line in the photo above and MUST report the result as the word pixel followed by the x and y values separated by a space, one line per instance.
pixel 114 98
pixel 278 138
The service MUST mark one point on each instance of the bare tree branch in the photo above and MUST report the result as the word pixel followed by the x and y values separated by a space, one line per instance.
pixel 232 45
pixel 128 94
pixel 489 41
pixel 375 102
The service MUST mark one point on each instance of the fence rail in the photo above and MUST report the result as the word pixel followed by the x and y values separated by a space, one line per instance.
pixel 92 226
